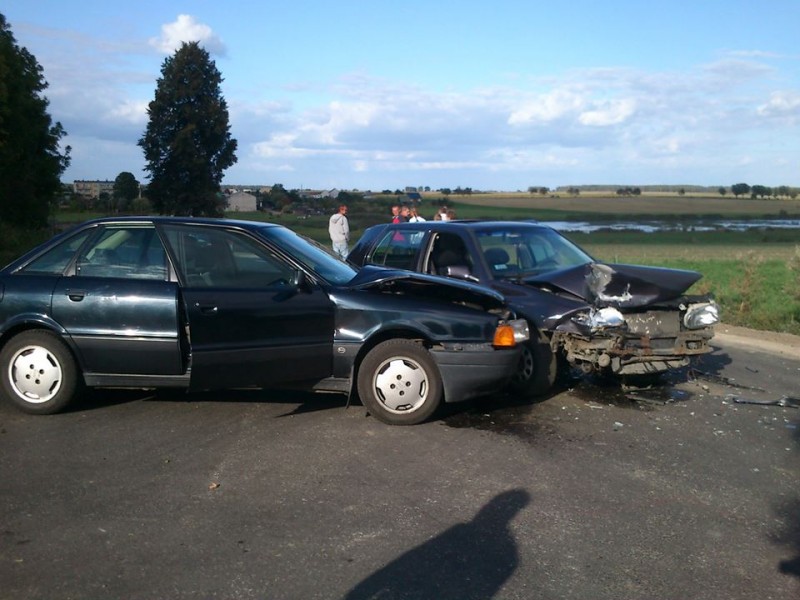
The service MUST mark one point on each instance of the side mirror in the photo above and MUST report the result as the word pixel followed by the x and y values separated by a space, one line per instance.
pixel 300 281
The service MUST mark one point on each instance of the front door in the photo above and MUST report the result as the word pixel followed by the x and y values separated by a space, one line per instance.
pixel 249 323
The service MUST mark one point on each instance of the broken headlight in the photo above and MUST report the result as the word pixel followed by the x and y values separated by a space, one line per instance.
pixel 701 315
pixel 600 319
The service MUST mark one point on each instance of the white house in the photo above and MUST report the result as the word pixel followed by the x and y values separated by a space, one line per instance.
pixel 334 193
pixel 242 201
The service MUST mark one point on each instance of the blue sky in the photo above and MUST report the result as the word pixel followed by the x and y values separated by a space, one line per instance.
pixel 497 95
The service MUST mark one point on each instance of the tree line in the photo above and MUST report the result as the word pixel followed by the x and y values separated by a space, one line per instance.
pixel 761 191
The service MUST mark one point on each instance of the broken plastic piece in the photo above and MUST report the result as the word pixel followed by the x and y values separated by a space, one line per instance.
pixel 785 401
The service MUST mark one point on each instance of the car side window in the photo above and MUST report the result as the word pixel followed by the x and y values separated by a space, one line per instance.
pixel 211 257
pixel 397 249
pixel 130 252
pixel 56 260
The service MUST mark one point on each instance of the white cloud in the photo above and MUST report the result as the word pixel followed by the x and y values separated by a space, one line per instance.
pixel 130 111
pixel 187 29
pixel 546 108
pixel 735 71
pixel 754 54
pixel 608 113
pixel 782 104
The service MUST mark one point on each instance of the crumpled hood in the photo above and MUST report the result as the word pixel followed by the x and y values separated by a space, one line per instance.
pixel 604 284
pixel 427 286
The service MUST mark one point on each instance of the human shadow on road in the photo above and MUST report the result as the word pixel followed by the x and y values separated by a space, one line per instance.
pixel 468 561
pixel 790 536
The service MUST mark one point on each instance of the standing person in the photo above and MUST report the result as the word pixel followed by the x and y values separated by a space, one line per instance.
pixel 443 214
pixel 405 214
pixel 339 230
pixel 415 217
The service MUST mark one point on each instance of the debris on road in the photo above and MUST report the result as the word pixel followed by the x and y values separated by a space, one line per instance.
pixel 784 401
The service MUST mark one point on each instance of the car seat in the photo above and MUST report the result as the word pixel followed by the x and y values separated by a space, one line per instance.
pixel 448 251
pixel 498 261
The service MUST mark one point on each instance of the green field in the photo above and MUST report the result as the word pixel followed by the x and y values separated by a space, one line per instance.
pixel 754 275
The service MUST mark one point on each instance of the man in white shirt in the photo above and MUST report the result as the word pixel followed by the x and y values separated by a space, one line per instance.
pixel 339 230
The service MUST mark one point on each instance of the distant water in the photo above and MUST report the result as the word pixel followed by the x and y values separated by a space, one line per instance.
pixel 653 226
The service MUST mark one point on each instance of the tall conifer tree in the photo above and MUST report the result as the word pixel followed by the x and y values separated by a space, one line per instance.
pixel 31 162
pixel 187 143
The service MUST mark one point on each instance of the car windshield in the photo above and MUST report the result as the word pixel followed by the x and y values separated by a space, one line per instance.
pixel 523 251
pixel 311 255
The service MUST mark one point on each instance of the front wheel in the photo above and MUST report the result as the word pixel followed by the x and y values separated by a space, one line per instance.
pixel 38 372
pixel 538 368
pixel 399 383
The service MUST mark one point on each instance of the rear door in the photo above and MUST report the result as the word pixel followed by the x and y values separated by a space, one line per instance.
pixel 249 324
pixel 118 305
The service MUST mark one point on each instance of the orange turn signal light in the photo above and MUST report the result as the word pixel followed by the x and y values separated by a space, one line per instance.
pixel 504 337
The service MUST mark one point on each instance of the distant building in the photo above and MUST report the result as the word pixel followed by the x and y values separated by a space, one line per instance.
pixel 92 189
pixel 334 193
pixel 242 201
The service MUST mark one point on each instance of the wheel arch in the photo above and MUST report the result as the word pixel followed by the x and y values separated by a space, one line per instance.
pixel 383 336
pixel 22 323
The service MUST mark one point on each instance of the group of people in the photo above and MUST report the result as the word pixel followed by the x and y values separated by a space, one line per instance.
pixel 402 214
pixel 339 226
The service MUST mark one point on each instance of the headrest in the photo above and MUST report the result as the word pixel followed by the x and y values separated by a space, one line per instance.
pixel 496 256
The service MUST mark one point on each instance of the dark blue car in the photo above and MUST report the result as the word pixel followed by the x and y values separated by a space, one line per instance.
pixel 626 320
pixel 168 302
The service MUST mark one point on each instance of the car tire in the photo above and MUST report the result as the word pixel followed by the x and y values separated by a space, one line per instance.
pixel 399 383
pixel 39 374
pixel 538 368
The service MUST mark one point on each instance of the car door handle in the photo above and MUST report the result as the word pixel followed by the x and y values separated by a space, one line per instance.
pixel 76 295
pixel 207 309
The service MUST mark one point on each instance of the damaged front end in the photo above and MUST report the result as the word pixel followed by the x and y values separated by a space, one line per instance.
pixel 638 322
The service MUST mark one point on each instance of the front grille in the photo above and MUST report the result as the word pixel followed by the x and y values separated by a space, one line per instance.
pixel 655 324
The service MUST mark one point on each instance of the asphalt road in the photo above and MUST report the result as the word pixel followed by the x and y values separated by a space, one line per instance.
pixel 676 492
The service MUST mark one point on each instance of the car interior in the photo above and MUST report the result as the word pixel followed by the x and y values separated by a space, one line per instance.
pixel 448 252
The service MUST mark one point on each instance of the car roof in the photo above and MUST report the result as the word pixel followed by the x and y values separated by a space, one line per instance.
pixel 161 219
pixel 482 224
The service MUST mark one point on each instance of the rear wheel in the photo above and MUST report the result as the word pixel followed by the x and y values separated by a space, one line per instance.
pixel 538 367
pixel 38 373
pixel 399 383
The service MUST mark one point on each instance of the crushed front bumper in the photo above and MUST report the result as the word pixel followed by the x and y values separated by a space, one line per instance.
pixel 471 370
pixel 649 342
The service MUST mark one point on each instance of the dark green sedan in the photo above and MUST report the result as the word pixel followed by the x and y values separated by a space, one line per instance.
pixel 197 304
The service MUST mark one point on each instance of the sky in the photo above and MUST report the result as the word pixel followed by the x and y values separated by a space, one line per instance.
pixel 494 95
